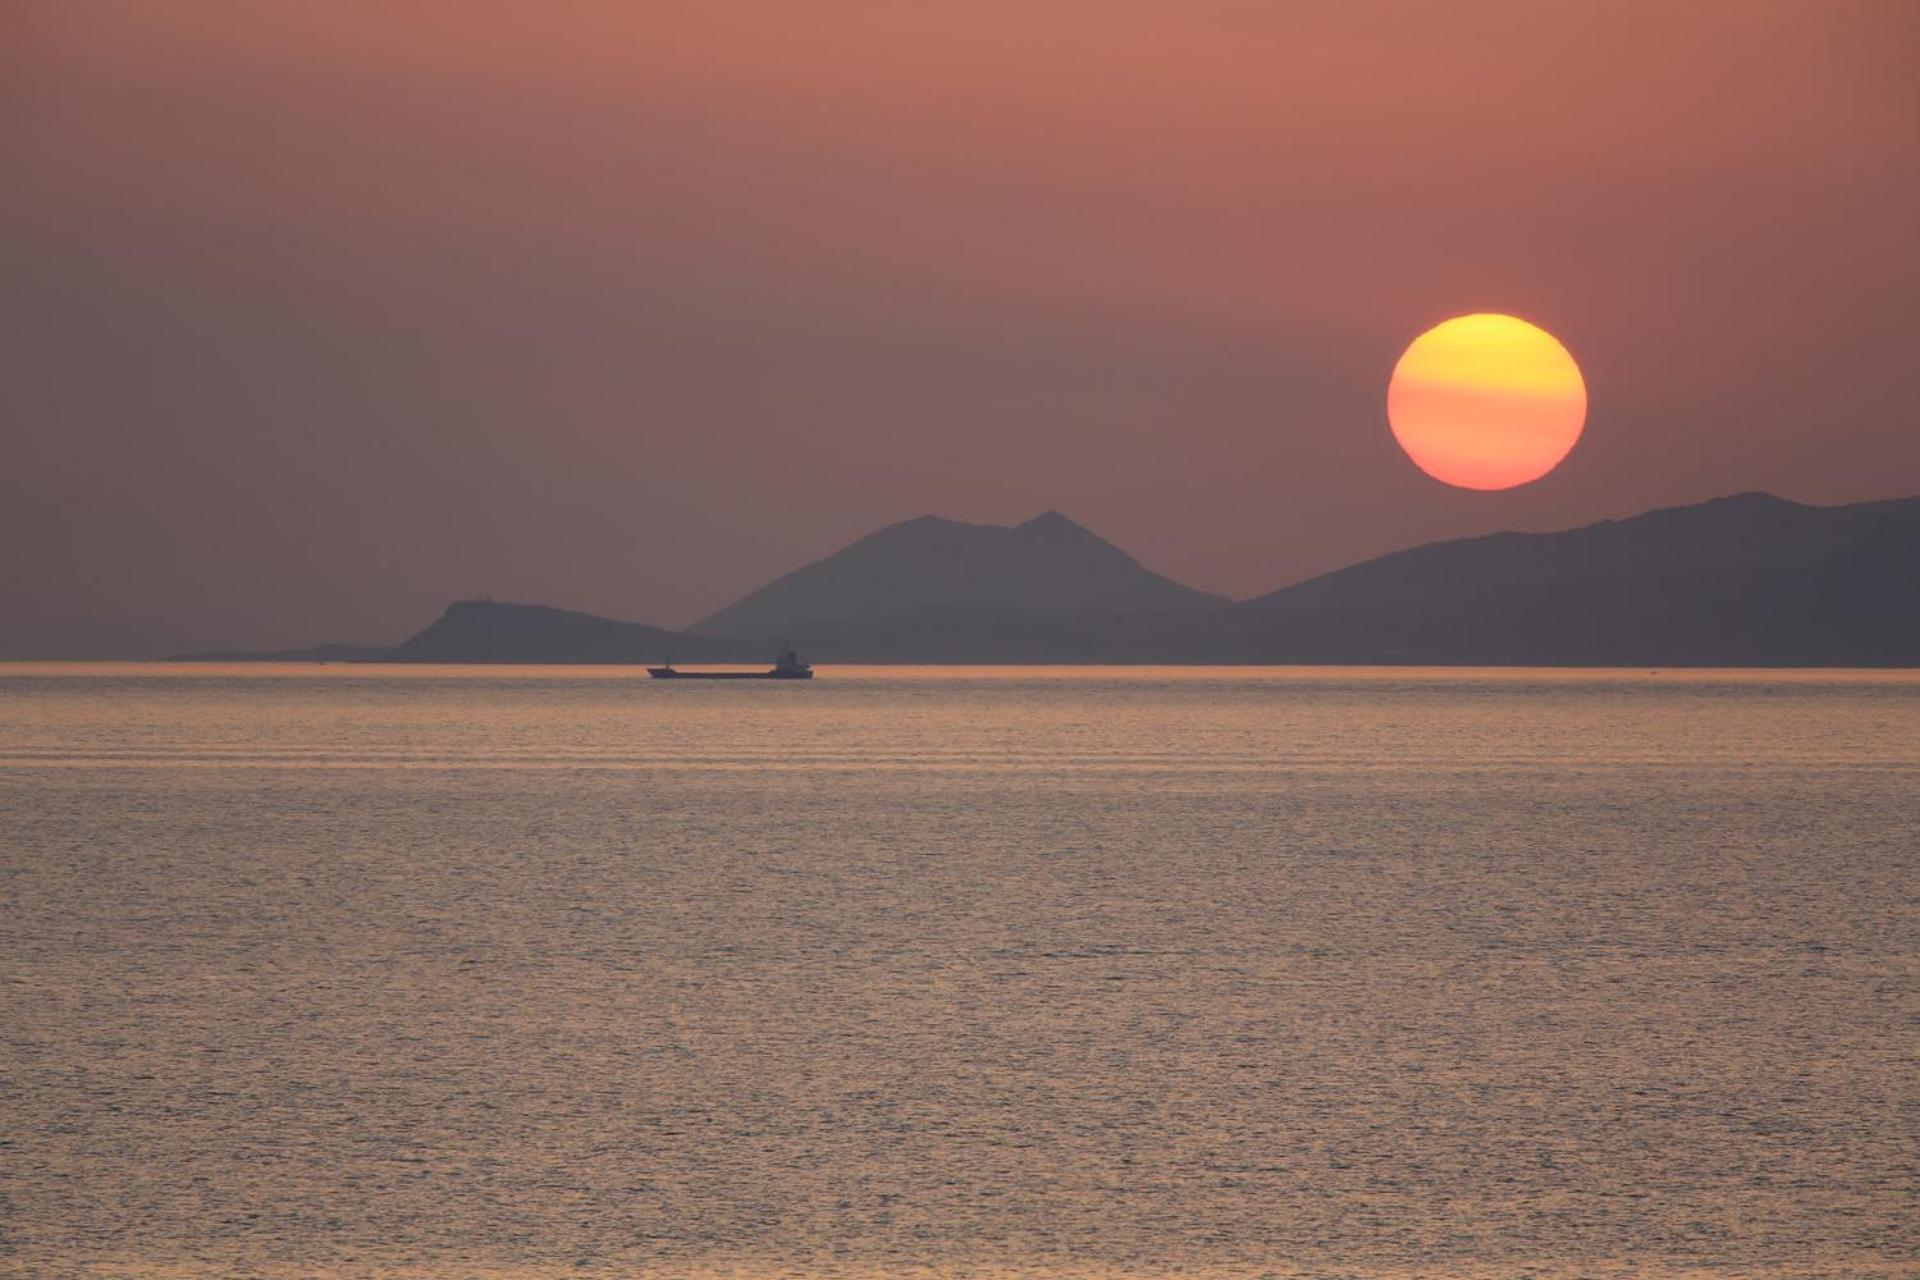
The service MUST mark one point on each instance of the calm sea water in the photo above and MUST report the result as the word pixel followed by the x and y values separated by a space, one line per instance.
pixel 342 971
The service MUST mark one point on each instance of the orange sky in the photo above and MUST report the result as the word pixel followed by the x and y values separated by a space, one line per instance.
pixel 324 314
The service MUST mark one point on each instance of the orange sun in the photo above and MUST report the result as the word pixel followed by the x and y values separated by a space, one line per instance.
pixel 1486 402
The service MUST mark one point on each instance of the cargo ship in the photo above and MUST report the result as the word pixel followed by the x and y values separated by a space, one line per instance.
pixel 789 667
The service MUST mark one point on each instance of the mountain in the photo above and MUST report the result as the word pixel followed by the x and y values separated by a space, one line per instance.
pixel 1748 531
pixel 1048 564
pixel 486 631
pixel 1750 580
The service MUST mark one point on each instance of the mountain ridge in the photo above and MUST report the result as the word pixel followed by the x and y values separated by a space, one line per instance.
pixel 1048 562
pixel 493 631
pixel 1747 579
pixel 1739 530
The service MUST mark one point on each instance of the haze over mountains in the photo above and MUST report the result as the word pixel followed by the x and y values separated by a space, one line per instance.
pixel 487 631
pixel 1047 563
pixel 1745 580
pixel 1744 532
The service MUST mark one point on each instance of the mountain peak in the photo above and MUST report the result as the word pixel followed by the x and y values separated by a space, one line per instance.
pixel 928 521
pixel 1748 498
pixel 1050 528
pixel 1048 563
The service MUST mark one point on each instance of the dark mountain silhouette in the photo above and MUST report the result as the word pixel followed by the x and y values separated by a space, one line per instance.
pixel 1748 531
pixel 486 631
pixel 1049 563
pixel 1858 605
pixel 1746 580
pixel 1750 580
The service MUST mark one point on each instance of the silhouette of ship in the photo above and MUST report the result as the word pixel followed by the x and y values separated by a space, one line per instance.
pixel 789 667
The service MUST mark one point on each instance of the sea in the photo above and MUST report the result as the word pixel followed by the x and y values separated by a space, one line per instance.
pixel 535 972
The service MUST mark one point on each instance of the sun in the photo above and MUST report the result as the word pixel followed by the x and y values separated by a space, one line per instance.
pixel 1486 402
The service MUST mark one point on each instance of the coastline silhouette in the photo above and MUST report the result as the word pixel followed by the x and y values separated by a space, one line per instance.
pixel 1746 580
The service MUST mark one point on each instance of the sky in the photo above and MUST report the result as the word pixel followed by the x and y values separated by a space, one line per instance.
pixel 318 316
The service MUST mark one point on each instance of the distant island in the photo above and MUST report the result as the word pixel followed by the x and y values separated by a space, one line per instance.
pixel 1747 580
pixel 1049 564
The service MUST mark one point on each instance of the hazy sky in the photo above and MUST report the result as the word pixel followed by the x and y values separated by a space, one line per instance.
pixel 321 314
